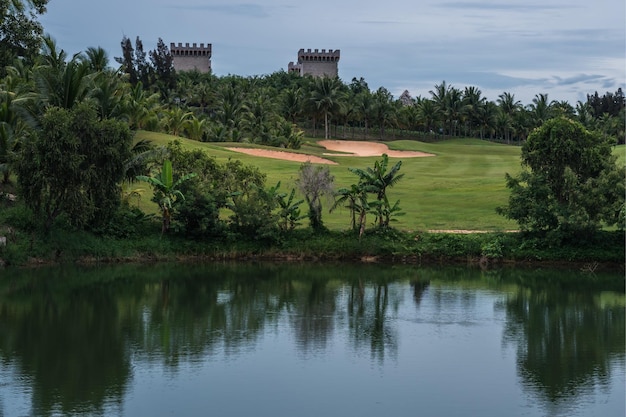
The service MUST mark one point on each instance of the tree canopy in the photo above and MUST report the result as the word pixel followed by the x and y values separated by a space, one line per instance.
pixel 73 165
pixel 570 184
pixel 20 32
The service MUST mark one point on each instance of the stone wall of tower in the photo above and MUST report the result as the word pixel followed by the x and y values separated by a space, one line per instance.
pixel 194 57
pixel 316 63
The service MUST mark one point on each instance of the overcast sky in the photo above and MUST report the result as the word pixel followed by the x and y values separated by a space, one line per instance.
pixel 566 48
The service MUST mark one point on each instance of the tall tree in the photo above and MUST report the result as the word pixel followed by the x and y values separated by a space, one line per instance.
pixel 327 97
pixel 20 32
pixel 163 65
pixel 570 184
pixel 74 166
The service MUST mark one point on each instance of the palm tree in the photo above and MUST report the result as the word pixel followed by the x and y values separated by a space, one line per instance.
pixel 439 95
pixel 176 120
pixel 427 114
pixel 259 118
pixel 196 128
pixel 292 103
pixel 96 59
pixel 166 192
pixel 510 107
pixel 473 100
pixel 384 111
pixel 327 98
pixel 540 109
pixel 487 117
pixel 108 95
pixel 139 106
pixel 60 83
pixel 453 109
pixel 365 108
pixel 377 180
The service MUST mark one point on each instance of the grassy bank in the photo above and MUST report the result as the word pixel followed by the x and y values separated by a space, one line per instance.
pixel 606 250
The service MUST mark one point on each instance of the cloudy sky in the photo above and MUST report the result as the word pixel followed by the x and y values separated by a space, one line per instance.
pixel 566 48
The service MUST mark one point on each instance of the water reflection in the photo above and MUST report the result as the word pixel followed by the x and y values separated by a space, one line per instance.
pixel 567 345
pixel 71 339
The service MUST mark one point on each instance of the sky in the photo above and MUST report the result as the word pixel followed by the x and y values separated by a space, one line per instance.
pixel 565 48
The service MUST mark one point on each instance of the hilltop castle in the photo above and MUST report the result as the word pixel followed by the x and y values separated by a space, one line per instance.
pixel 188 58
pixel 316 63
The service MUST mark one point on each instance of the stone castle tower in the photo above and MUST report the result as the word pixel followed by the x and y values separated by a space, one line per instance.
pixel 316 63
pixel 188 58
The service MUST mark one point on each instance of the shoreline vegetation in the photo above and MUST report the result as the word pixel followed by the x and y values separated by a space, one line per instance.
pixel 482 250
pixel 138 238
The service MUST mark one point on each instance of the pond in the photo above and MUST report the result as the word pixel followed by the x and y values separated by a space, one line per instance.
pixel 311 340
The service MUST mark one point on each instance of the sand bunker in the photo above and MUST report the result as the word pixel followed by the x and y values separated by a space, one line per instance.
pixel 286 156
pixel 357 148
pixel 349 147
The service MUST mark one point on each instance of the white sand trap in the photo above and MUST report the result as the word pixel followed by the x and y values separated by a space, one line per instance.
pixel 286 156
pixel 349 147
pixel 357 148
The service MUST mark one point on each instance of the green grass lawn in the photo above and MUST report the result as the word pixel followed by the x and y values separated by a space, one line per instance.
pixel 459 188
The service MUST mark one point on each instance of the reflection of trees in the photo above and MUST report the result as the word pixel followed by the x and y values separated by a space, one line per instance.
pixel 313 316
pixel 419 288
pixel 565 341
pixel 73 335
pixel 69 346
pixel 368 321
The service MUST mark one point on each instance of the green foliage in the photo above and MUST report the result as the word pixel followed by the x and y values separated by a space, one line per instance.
pixel 166 190
pixel 289 214
pixel 253 213
pixel 20 31
pixel 73 166
pixel 375 181
pixel 571 184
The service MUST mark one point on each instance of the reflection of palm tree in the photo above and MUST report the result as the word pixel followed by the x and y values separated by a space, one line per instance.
pixel 419 288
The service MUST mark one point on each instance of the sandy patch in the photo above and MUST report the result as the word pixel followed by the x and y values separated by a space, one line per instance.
pixel 357 148
pixel 350 147
pixel 286 156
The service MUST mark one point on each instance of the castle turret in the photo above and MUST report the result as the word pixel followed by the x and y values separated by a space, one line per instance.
pixel 194 57
pixel 316 63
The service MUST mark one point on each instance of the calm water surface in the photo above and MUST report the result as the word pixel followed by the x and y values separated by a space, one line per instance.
pixel 311 340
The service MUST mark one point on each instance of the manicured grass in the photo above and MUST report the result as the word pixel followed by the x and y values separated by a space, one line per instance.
pixel 459 188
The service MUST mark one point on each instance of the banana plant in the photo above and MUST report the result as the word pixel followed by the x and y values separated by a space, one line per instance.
pixel 166 192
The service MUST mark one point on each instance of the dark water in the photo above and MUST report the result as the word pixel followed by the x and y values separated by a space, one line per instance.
pixel 311 340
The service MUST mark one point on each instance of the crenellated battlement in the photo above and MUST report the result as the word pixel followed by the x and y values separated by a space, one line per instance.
pixel 193 50
pixel 318 56
pixel 316 63
pixel 191 57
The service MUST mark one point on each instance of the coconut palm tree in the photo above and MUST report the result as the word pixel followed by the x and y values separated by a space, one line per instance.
pixel 472 100
pixel 365 109
pixel 510 107
pixel 427 114
pixel 96 59
pixel 327 98
pixel 539 109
